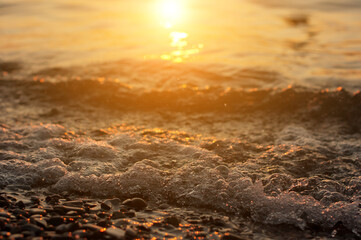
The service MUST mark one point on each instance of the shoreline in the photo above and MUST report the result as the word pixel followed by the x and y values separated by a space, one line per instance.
pixel 39 214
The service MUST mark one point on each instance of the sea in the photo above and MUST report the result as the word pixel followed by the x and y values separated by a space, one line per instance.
pixel 247 107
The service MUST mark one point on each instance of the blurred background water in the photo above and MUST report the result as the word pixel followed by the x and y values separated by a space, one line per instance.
pixel 236 43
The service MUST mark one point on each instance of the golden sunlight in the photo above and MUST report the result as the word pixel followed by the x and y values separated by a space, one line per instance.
pixel 178 41
pixel 170 12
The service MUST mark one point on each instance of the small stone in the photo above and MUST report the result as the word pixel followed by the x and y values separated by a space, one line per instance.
pixel 92 227
pixel 105 206
pixel 104 223
pixel 130 214
pixel 31 227
pixel 116 233
pixel 33 211
pixel 4 203
pixel 35 200
pixel 172 220
pixel 20 204
pixel 81 233
pixel 5 214
pixel 72 213
pixel 40 222
pixel 136 203
pixel 73 203
pixel 62 228
pixel 114 203
pixel 62 208
pixel 164 206
pixel 52 199
pixel 117 215
pixel 60 237
pixel 56 220
pixel 17 236
pixel 103 215
pixel 130 233
pixel 232 236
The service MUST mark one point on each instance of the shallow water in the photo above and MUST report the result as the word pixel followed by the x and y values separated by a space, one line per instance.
pixel 237 43
pixel 250 108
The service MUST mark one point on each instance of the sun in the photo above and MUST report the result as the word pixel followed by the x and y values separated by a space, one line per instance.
pixel 170 12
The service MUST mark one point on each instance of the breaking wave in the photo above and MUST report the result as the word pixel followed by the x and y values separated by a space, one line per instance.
pixel 301 179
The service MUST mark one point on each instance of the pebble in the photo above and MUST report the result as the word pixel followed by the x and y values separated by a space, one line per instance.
pixel 73 203
pixel 116 233
pixel 20 204
pixel 114 203
pixel 232 236
pixel 32 228
pixel 92 227
pixel 5 214
pixel 105 206
pixel 135 203
pixel 172 220
pixel 40 222
pixel 130 233
pixel 55 220
pixel 34 211
pixel 117 215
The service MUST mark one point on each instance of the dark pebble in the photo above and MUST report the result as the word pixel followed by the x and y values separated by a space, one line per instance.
pixel 33 211
pixel 104 223
pixel 81 233
pixel 62 228
pixel 71 213
pixel 53 199
pixel 130 214
pixel 115 203
pixel 136 203
pixel 17 236
pixel 130 233
pixel 103 215
pixel 60 237
pixel 116 233
pixel 56 220
pixel 73 203
pixel 105 206
pixel 232 236
pixel 92 227
pixel 5 214
pixel 35 200
pixel 61 208
pixel 172 220
pixel 117 215
pixel 20 204
pixel 40 222
pixel 4 203
pixel 32 228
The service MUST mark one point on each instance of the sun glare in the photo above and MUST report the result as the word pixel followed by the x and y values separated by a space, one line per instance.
pixel 170 11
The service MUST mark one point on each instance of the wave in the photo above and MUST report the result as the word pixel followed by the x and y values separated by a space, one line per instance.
pixel 190 99
pixel 300 179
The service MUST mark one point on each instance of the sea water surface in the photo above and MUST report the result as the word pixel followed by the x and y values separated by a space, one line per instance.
pixel 250 108
pixel 261 43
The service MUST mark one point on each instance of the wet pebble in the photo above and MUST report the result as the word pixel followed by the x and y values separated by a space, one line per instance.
pixel 232 236
pixel 118 214
pixel 172 220
pixel 32 228
pixel 135 203
pixel 55 220
pixel 130 233
pixel 116 233
pixel 105 207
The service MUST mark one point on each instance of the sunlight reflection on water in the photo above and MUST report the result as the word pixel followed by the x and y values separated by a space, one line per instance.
pixel 170 12
pixel 302 41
